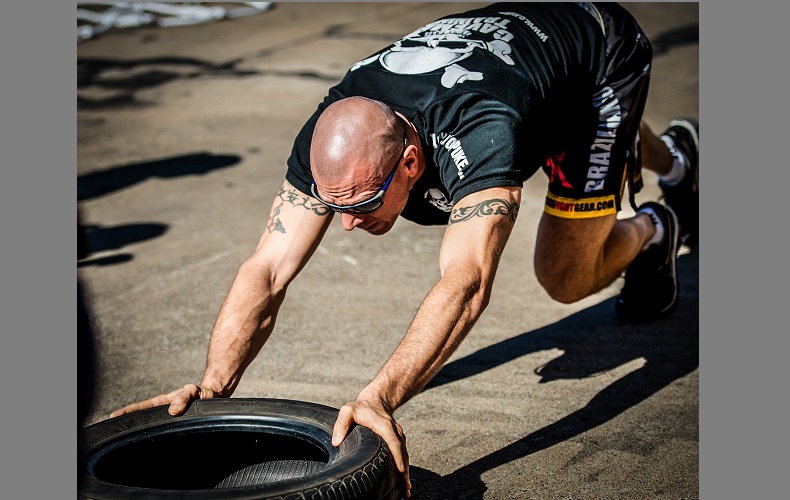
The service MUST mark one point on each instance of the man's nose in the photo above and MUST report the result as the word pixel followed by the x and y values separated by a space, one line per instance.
pixel 350 221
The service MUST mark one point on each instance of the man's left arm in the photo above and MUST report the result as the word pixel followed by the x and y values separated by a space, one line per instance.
pixel 477 232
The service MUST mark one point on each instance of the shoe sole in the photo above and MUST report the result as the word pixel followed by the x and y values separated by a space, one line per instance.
pixel 673 260
pixel 689 125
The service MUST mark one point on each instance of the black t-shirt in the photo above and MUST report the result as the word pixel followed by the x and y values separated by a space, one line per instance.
pixel 492 92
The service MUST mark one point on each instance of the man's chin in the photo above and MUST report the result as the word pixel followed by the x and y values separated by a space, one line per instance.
pixel 379 228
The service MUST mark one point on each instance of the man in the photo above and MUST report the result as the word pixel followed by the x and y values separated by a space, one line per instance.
pixel 443 127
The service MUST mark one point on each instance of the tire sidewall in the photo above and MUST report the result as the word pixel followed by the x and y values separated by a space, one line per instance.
pixel 360 468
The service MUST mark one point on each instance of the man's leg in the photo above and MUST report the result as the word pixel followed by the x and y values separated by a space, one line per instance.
pixel 656 156
pixel 575 258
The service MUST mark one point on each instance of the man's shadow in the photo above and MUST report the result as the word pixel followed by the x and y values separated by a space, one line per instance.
pixel 593 341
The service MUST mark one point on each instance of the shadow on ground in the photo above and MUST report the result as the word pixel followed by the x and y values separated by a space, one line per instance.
pixel 667 40
pixel 100 183
pixel 100 239
pixel 94 238
pixel 593 342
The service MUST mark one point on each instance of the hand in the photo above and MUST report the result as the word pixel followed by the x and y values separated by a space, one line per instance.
pixel 377 418
pixel 178 400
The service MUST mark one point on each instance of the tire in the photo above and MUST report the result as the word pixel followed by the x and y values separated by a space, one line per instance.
pixel 237 449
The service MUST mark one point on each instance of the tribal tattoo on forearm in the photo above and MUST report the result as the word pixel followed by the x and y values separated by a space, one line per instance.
pixel 296 199
pixel 496 206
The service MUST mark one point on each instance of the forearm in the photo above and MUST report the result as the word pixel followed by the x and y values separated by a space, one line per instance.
pixel 243 326
pixel 445 317
pixel 473 243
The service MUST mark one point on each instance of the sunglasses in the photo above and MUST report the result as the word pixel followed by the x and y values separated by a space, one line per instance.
pixel 369 205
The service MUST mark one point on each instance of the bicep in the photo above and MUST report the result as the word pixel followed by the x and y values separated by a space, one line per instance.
pixel 479 227
pixel 296 225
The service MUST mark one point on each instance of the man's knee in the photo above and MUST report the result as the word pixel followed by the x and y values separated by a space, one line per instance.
pixel 567 254
pixel 562 284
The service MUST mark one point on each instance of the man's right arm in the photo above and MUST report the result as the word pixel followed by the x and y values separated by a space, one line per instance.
pixel 295 227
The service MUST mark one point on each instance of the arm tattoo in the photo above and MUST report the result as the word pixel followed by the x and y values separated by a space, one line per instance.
pixel 274 222
pixel 296 199
pixel 496 206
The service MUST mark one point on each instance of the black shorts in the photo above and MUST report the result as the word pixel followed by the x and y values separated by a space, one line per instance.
pixel 588 178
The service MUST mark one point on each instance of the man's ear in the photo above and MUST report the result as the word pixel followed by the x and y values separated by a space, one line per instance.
pixel 413 164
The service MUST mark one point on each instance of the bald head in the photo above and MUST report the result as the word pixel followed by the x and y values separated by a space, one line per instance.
pixel 354 141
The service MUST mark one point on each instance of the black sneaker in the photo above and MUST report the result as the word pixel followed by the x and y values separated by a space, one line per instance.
pixel 684 197
pixel 651 283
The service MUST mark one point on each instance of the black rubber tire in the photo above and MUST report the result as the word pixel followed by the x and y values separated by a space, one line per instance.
pixel 151 454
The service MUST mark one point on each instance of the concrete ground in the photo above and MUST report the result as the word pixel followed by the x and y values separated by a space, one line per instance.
pixel 183 134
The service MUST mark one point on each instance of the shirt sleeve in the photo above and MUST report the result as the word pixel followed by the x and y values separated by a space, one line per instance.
pixel 475 145
pixel 299 174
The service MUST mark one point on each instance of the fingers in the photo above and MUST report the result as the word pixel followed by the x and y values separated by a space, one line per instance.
pixel 396 441
pixel 342 424
pixel 400 454
pixel 159 400
pixel 380 422
pixel 178 400
pixel 405 460
pixel 182 398
pixel 397 445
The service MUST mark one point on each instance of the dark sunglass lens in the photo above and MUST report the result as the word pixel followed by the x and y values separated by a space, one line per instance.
pixel 366 208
